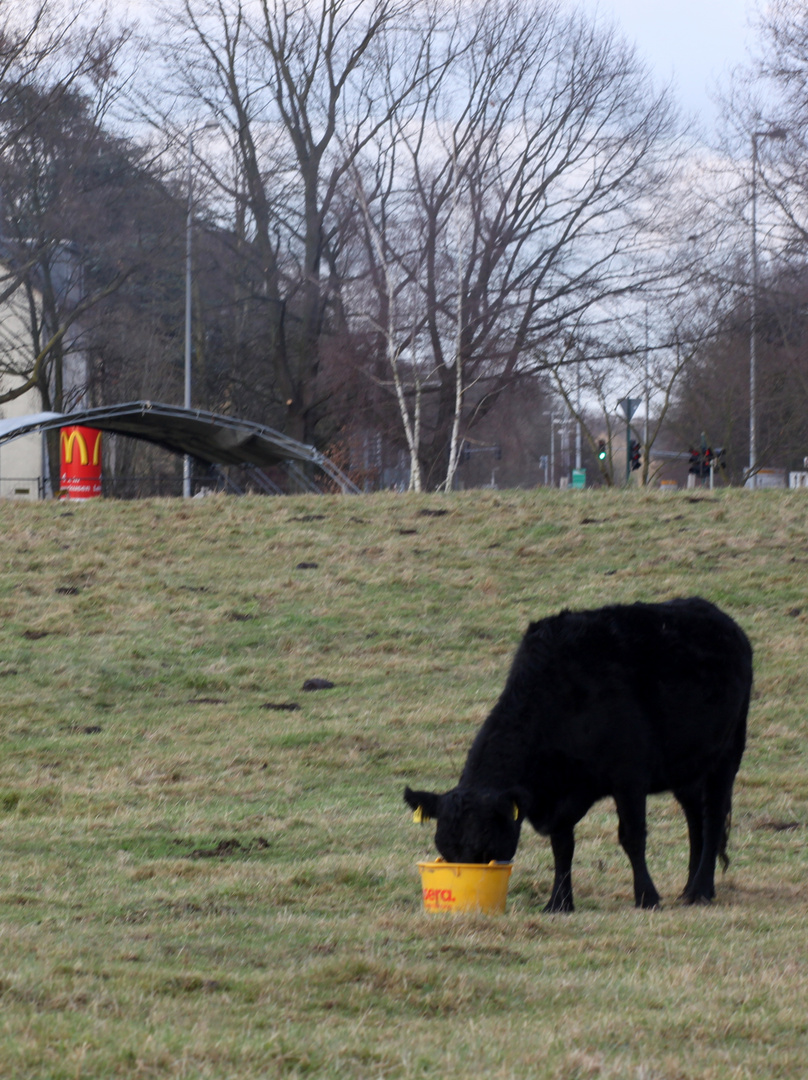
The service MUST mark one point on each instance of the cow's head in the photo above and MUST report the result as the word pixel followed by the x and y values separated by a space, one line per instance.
pixel 475 825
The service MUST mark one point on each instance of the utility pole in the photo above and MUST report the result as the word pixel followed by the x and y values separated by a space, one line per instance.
pixel 769 133
pixel 189 227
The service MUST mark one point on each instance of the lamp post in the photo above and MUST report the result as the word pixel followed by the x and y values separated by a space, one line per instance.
pixel 769 133
pixel 578 440
pixel 186 464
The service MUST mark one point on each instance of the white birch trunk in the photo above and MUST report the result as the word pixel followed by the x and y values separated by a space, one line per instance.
pixel 411 423
pixel 454 441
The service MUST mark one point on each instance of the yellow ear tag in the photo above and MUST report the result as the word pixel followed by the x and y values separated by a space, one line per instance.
pixel 515 812
pixel 419 817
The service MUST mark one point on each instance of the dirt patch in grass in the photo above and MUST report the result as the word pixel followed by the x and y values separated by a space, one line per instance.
pixel 228 848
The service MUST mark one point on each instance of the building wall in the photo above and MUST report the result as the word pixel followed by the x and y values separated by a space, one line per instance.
pixel 20 461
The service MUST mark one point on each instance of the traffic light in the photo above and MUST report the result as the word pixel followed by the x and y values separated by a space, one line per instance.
pixel 602 451
pixel 634 454
pixel 701 461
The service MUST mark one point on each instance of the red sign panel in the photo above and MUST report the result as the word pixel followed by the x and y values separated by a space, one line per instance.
pixel 80 462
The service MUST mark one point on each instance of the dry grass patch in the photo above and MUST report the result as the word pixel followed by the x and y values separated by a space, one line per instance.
pixel 200 880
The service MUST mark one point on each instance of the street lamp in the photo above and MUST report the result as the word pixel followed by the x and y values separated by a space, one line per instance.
pixel 769 133
pixel 186 464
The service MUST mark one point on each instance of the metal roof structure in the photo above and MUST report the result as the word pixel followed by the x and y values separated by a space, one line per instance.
pixel 209 437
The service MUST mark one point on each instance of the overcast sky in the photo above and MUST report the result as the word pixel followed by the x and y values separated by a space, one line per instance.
pixel 693 42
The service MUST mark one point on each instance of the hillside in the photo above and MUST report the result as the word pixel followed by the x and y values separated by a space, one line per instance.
pixel 208 871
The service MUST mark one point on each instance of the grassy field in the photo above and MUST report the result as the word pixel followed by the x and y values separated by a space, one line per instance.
pixel 208 871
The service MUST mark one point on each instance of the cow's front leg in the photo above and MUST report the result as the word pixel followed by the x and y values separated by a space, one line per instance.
pixel 631 833
pixel 563 844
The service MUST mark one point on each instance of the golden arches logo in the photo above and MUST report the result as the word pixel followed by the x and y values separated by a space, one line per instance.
pixel 75 438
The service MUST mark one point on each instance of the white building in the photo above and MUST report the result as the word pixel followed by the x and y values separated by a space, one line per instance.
pixel 24 472
pixel 21 462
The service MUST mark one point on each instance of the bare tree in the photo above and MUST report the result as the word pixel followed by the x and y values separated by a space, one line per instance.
pixel 43 43
pixel 512 159
pixel 57 72
pixel 526 184
pixel 770 108
pixel 645 355
pixel 759 208
pixel 396 337
pixel 82 212
pixel 293 88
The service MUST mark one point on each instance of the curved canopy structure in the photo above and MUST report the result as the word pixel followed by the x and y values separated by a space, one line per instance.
pixel 210 437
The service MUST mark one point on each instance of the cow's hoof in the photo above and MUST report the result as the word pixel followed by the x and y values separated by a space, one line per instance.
pixel 559 907
pixel 649 903
pixel 696 898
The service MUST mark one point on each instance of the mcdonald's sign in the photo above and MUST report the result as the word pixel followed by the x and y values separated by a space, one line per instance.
pixel 80 451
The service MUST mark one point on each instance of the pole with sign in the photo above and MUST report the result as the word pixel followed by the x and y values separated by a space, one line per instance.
pixel 629 407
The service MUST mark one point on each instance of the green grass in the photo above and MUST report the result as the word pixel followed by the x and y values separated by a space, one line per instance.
pixel 196 882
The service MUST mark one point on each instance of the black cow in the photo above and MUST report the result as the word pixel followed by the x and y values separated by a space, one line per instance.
pixel 622 701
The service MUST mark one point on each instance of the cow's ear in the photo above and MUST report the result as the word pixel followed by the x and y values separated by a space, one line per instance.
pixel 424 804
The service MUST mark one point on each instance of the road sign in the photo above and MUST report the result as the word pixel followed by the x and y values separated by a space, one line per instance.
pixel 629 406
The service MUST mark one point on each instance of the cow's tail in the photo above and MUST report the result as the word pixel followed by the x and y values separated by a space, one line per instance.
pixel 740 742
pixel 722 846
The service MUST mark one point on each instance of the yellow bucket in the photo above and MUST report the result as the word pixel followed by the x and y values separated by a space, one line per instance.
pixel 465 886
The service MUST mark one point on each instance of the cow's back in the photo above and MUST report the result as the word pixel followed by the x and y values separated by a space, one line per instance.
pixel 657 690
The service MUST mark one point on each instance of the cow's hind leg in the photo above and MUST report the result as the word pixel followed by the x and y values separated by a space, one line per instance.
pixel 563 844
pixel 716 806
pixel 691 799
pixel 631 834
